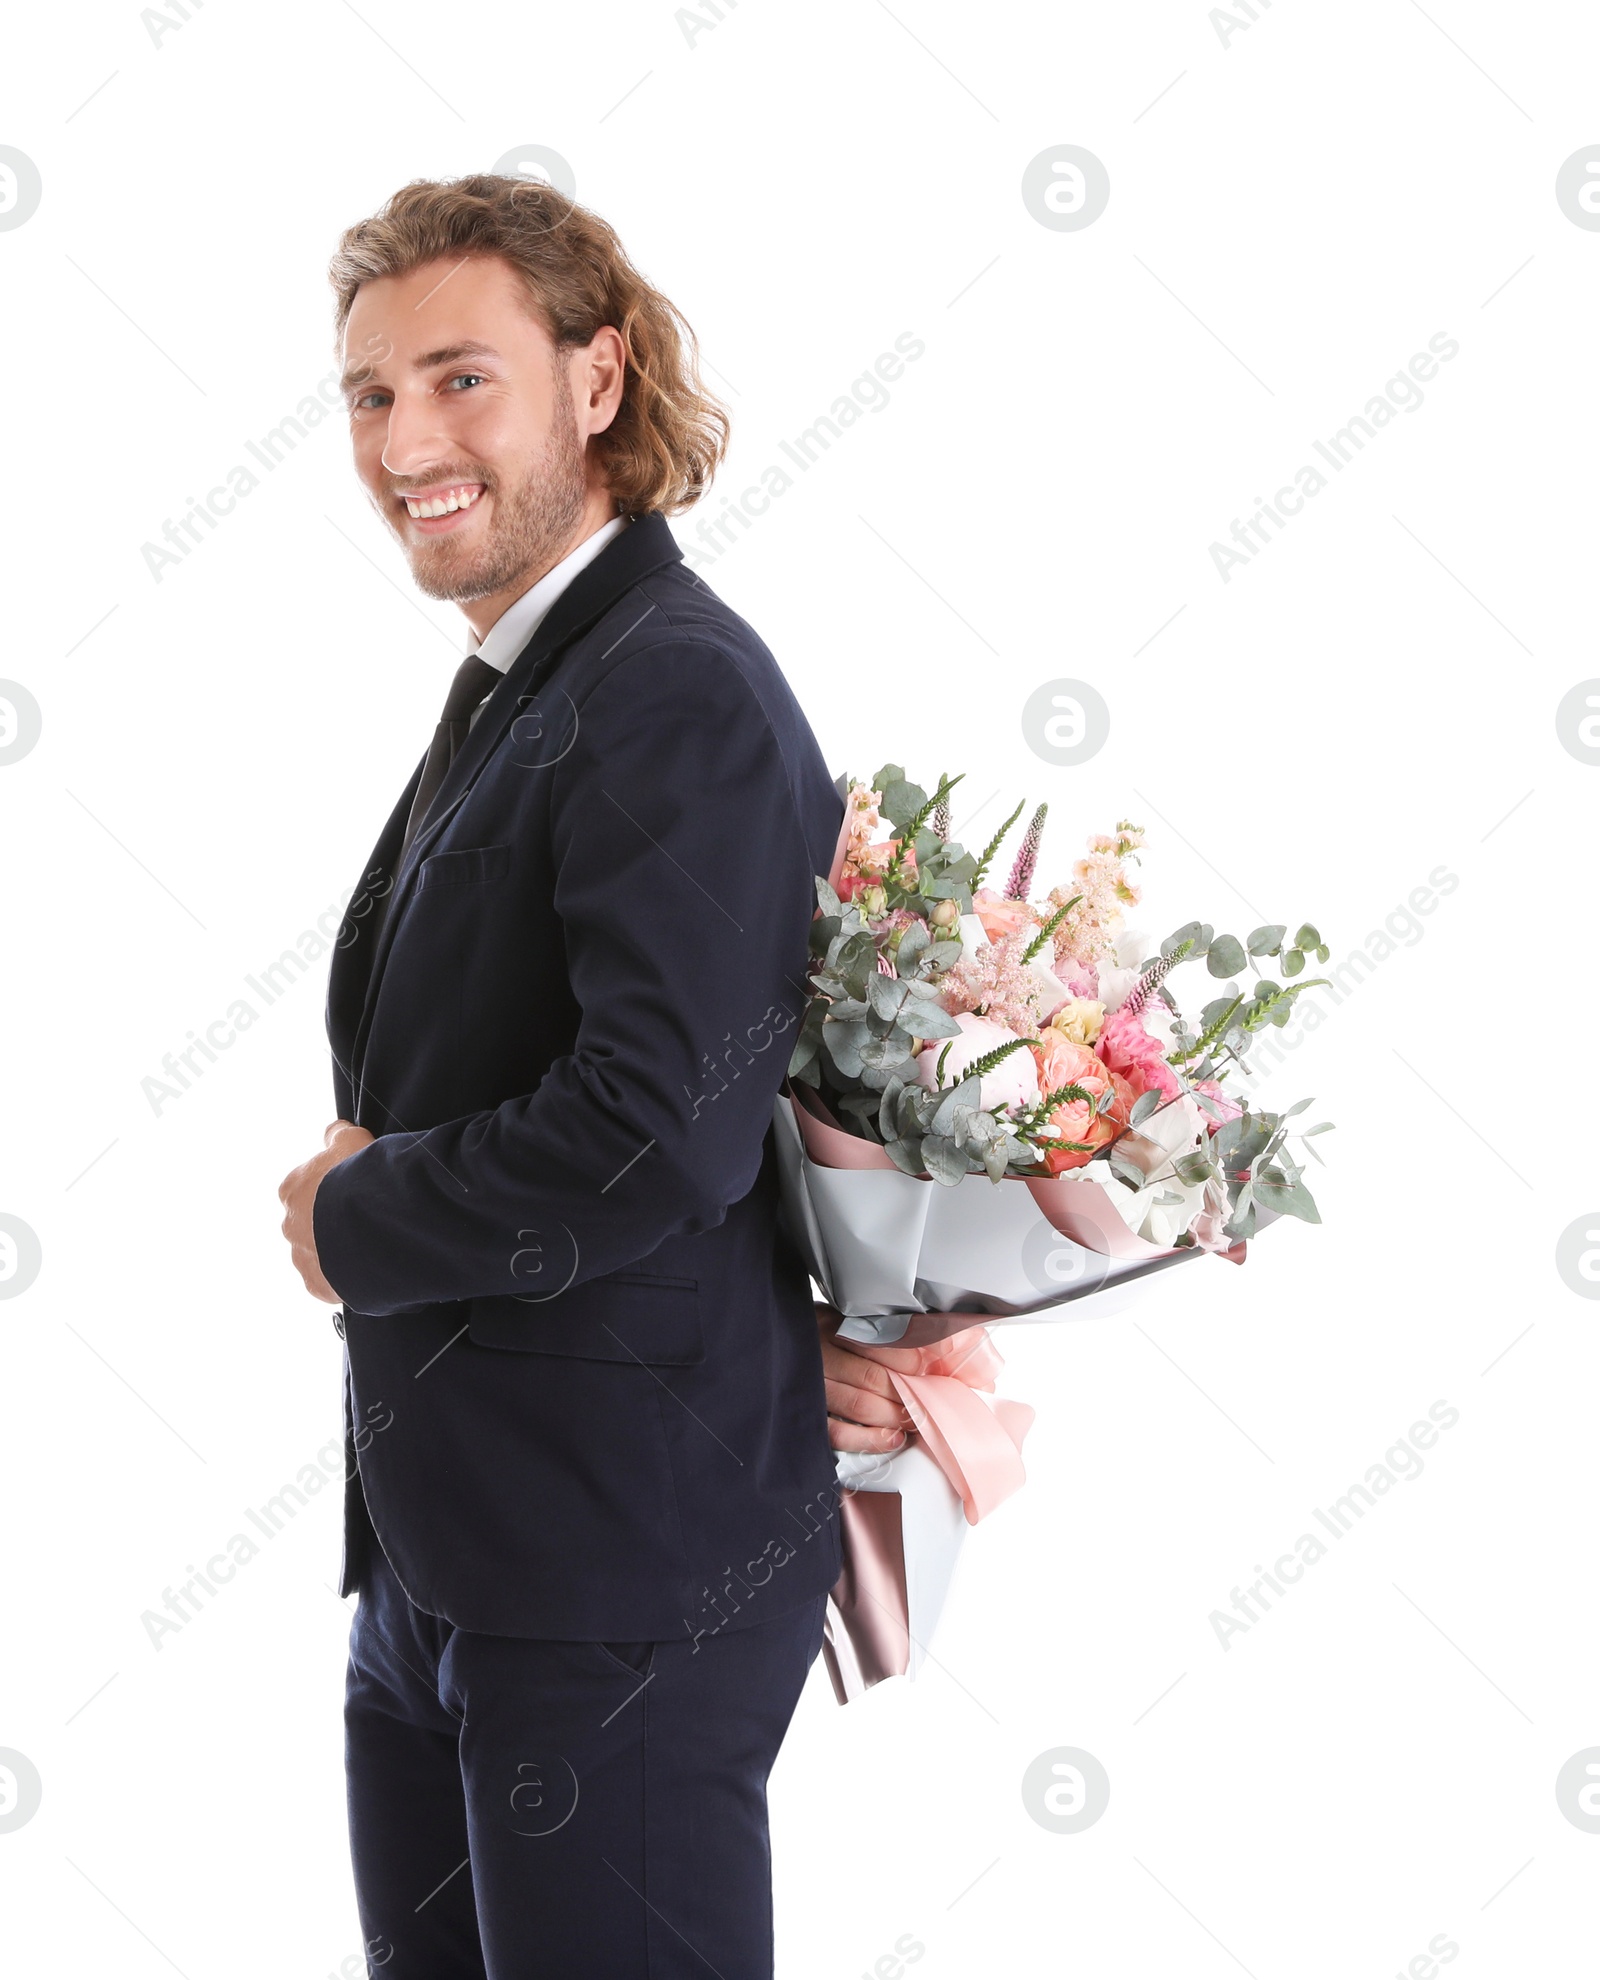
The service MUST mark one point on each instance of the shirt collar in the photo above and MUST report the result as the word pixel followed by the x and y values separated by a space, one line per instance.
pixel 516 625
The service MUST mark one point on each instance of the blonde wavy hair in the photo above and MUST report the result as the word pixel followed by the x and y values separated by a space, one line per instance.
pixel 669 434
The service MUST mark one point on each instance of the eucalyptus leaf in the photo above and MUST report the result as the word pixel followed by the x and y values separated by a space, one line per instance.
pixel 893 1049
pixel 1226 956
pixel 1266 941
pixel 885 994
pixel 925 1019
pixel 1195 933
pixel 912 944
pixel 1295 1201
pixel 901 801
pixel 963 1095
pixel 803 1057
pixel 939 956
pixel 1242 1224
pixel 844 1041
pixel 942 1159
pixel 906 1154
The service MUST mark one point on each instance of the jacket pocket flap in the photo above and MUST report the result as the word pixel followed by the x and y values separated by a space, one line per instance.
pixel 466 866
pixel 623 1317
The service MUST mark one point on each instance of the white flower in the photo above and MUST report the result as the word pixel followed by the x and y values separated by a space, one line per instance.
pixel 1014 1082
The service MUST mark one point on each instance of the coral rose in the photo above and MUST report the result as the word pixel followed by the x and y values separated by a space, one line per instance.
pixel 1000 916
pixel 1062 1063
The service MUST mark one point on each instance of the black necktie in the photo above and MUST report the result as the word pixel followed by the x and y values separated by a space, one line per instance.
pixel 474 679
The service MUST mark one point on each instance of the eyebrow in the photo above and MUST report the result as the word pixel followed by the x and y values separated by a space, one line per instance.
pixel 361 374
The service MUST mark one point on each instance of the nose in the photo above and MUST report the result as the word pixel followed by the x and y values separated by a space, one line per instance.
pixel 417 436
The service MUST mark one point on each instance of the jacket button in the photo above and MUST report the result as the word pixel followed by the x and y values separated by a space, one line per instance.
pixel 338 1321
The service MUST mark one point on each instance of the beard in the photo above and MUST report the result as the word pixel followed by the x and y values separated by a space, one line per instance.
pixel 531 526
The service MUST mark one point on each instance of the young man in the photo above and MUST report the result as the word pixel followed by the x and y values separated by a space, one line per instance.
pixel 590 1508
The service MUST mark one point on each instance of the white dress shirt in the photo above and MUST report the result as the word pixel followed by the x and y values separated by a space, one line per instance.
pixel 515 626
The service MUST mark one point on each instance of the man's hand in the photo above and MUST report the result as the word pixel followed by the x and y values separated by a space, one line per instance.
pixel 864 1412
pixel 297 1193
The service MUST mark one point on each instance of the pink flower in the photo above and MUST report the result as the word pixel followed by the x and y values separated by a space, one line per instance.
pixel 877 859
pixel 1000 916
pixel 1215 1211
pixel 1230 1108
pixel 993 982
pixel 1129 1049
pixel 1061 1063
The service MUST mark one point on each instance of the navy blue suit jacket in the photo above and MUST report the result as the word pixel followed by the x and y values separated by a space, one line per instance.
pixel 583 1385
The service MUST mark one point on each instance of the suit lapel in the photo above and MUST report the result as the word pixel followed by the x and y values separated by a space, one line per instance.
pixel 350 971
pixel 644 546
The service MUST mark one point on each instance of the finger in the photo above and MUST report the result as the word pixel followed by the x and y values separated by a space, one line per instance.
pixel 855 1371
pixel 854 1437
pixel 860 1406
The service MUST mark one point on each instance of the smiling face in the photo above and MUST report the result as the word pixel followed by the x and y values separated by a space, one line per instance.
pixel 470 429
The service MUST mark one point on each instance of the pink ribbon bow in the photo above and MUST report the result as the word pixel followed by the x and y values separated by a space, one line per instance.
pixel 978 1447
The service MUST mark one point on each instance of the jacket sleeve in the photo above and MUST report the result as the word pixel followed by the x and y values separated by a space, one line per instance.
pixel 684 889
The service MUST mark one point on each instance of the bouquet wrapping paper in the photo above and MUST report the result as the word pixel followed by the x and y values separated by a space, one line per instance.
pixel 909 1262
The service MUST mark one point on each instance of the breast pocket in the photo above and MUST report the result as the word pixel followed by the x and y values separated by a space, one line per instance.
pixel 465 866
pixel 625 1316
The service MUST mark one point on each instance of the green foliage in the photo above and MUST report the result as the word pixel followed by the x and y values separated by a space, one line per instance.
pixel 876 1006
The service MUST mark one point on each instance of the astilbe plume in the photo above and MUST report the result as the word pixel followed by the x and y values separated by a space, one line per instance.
pixel 995 983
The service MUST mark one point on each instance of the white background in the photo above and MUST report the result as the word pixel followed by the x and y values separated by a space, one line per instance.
pixel 1295 210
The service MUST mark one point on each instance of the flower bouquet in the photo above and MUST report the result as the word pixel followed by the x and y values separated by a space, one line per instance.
pixel 998 1107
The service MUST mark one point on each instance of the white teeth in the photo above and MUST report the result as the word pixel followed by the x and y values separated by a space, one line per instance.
pixel 444 505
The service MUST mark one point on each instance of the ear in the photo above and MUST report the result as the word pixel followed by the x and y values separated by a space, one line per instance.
pixel 599 371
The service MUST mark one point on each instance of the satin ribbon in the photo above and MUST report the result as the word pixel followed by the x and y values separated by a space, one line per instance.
pixel 978 1447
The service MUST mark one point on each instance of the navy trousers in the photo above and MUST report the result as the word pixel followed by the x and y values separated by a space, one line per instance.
pixel 522 1807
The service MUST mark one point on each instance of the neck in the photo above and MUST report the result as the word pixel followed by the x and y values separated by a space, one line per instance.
pixel 481 613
